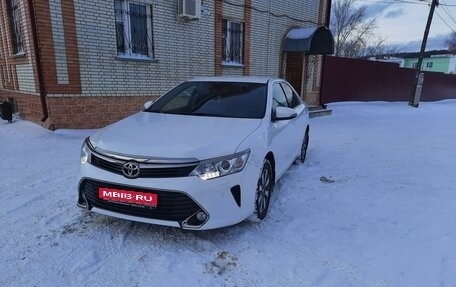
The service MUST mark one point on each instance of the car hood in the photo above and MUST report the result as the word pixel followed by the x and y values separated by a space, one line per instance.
pixel 174 136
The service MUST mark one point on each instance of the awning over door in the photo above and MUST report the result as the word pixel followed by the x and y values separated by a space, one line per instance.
pixel 311 41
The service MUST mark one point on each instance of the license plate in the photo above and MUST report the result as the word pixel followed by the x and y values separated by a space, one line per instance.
pixel 128 196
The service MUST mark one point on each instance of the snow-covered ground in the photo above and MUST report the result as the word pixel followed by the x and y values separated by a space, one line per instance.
pixel 374 205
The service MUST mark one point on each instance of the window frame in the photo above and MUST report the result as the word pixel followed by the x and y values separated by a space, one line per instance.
pixel 127 32
pixel 17 42
pixel 275 100
pixel 429 65
pixel 227 35
pixel 293 96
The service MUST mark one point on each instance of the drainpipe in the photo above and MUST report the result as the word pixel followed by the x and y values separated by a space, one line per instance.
pixel 39 68
pixel 328 16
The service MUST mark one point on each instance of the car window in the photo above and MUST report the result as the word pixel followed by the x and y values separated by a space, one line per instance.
pixel 216 99
pixel 292 98
pixel 278 97
pixel 181 100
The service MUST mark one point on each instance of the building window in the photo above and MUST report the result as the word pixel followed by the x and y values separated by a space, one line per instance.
pixel 232 42
pixel 429 64
pixel 415 65
pixel 134 29
pixel 15 28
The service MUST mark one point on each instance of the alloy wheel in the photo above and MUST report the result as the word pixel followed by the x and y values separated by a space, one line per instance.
pixel 264 190
pixel 305 144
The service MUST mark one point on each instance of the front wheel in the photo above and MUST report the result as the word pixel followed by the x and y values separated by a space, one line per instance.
pixel 264 190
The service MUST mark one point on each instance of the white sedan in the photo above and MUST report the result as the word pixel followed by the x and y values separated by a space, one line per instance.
pixel 204 155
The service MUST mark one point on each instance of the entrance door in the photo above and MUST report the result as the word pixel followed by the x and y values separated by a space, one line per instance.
pixel 293 70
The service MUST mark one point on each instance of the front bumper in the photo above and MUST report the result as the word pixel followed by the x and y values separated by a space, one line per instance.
pixel 225 201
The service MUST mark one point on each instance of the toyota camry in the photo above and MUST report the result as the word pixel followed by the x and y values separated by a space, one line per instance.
pixel 206 154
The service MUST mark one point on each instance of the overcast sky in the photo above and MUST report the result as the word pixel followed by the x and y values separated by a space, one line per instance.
pixel 404 23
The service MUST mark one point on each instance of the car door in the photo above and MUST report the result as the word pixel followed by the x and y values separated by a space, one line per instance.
pixel 281 133
pixel 300 123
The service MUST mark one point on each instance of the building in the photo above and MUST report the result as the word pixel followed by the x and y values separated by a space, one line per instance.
pixel 85 64
pixel 444 63
pixel 394 60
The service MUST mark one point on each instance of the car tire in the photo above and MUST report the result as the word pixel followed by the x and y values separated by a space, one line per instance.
pixel 264 190
pixel 305 144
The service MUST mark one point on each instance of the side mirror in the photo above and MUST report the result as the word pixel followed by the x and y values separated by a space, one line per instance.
pixel 283 114
pixel 148 104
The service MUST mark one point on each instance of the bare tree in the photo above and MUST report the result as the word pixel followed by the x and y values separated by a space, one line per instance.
pixel 379 48
pixel 451 42
pixel 351 29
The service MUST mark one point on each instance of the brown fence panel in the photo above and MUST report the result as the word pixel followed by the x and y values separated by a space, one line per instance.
pixel 347 79
pixel 438 86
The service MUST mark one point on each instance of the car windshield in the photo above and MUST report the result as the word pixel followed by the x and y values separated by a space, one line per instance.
pixel 214 99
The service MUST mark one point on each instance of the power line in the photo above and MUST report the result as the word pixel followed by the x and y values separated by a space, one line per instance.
pixel 268 12
pixel 404 2
pixel 447 11
pixel 394 2
pixel 444 21
pixel 409 2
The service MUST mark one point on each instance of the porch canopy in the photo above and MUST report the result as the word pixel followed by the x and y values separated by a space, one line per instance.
pixel 310 41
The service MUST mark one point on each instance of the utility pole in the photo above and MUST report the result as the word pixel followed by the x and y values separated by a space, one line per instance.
pixel 417 87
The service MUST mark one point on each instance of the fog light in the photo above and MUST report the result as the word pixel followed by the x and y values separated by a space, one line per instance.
pixel 201 216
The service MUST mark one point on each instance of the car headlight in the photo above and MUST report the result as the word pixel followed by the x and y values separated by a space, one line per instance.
pixel 217 167
pixel 85 152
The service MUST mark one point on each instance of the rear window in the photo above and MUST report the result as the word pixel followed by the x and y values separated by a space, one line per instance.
pixel 214 99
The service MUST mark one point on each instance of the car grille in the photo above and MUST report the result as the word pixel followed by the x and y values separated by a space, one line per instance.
pixel 173 206
pixel 147 170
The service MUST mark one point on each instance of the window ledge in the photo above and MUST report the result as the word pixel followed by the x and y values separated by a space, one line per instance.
pixel 18 55
pixel 232 65
pixel 135 59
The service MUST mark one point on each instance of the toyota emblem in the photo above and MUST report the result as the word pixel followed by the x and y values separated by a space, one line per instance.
pixel 130 169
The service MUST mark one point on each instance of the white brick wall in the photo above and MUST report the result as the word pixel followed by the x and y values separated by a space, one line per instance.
pixel 235 11
pixel 267 31
pixel 25 78
pixel 182 50
pixel 25 73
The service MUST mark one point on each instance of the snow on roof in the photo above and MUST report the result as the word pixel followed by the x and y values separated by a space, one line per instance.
pixel 301 33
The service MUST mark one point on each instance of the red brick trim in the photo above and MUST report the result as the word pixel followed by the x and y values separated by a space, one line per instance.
pixel 31 45
pixel 2 76
pixel 15 79
pixel 247 27
pixel 92 112
pixel 71 43
pixel 29 106
pixel 46 42
pixel 11 82
pixel 218 37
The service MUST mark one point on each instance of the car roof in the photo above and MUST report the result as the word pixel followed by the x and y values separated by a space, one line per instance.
pixel 241 79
